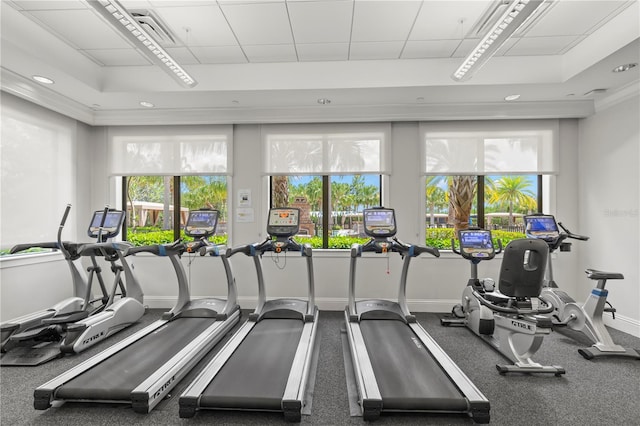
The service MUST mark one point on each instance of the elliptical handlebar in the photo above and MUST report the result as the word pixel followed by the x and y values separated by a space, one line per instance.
pixel 61 246
pixel 277 246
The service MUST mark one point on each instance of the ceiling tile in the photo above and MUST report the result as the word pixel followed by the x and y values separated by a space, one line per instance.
pixel 206 23
pixel 429 49
pixel 50 4
pixel 183 55
pixel 321 22
pixel 270 53
pixel 376 50
pixel 529 46
pixel 219 55
pixel 87 32
pixel 440 20
pixel 323 52
pixel 383 20
pixel 259 23
pixel 117 57
pixel 575 17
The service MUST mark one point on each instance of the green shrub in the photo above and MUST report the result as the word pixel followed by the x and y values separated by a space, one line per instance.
pixel 150 237
pixel 441 237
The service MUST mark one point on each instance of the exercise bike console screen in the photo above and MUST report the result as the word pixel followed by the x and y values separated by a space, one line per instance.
pixel 110 228
pixel 201 223
pixel 379 223
pixel 543 227
pixel 476 244
pixel 283 222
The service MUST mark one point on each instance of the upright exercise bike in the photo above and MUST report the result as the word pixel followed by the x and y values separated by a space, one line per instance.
pixel 583 317
pixel 508 319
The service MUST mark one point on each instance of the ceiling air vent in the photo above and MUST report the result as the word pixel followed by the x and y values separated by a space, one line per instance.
pixel 152 24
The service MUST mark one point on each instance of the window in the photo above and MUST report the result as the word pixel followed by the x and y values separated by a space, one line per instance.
pixel 167 173
pixel 486 174
pixel 331 172
pixel 151 214
pixel 337 224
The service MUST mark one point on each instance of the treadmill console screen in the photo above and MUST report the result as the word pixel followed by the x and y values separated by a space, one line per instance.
pixel 380 223
pixel 476 244
pixel 543 227
pixel 201 223
pixel 110 228
pixel 283 222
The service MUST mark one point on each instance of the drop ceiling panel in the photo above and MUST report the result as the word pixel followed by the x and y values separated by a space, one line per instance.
pixel 50 4
pixel 376 50
pixel 540 46
pixel 440 20
pixel 271 53
pixel 117 57
pixel 183 55
pixel 383 20
pixel 81 28
pixel 570 18
pixel 429 49
pixel 259 23
pixel 323 52
pixel 219 55
pixel 326 22
pixel 206 23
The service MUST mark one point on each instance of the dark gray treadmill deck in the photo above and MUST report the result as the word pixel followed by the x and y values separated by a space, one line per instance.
pixel 115 377
pixel 256 374
pixel 407 375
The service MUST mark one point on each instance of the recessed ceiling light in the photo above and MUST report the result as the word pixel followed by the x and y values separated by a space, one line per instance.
pixel 512 97
pixel 147 104
pixel 43 80
pixel 324 101
pixel 625 67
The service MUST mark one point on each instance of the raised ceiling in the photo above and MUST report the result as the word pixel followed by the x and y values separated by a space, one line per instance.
pixel 271 60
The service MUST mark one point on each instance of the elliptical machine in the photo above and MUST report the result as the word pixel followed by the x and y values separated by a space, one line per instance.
pixel 583 317
pixel 81 321
pixel 508 319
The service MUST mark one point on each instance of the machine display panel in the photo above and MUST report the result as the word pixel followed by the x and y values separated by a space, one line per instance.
pixel 476 243
pixel 112 224
pixel 283 222
pixel 379 222
pixel 201 223
pixel 543 227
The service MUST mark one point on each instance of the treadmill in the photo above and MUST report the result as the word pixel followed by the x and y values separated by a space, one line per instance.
pixel 267 364
pixel 141 369
pixel 397 365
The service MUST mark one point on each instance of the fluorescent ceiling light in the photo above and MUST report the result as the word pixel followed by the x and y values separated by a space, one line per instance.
pixel 513 17
pixel 123 22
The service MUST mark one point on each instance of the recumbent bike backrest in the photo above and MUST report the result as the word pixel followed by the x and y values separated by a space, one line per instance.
pixel 523 267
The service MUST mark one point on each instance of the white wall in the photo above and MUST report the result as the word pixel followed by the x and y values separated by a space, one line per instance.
pixel 609 201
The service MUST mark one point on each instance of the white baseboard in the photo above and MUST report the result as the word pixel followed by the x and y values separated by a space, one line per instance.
pixel 622 323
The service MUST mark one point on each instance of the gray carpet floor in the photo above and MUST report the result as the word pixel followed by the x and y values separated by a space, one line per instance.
pixel 603 391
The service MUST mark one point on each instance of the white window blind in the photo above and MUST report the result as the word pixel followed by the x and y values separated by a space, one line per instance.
pixel 326 149
pixel 38 153
pixel 492 147
pixel 176 150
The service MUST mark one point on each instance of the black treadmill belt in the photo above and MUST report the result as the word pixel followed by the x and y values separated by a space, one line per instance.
pixel 256 374
pixel 407 375
pixel 115 377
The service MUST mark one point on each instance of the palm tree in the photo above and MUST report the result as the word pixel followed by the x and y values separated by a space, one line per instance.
pixel 280 191
pixel 462 193
pixel 436 197
pixel 513 190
